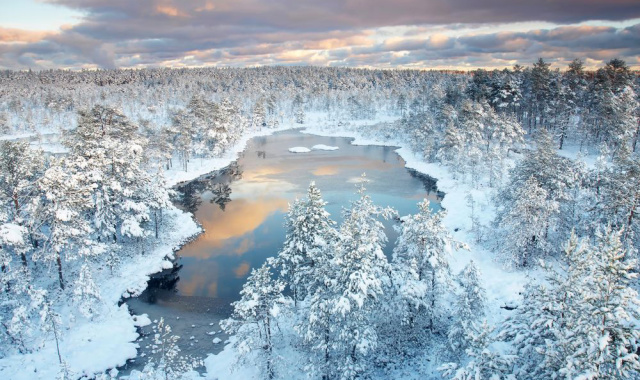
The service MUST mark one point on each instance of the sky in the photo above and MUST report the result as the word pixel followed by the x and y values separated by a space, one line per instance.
pixel 420 34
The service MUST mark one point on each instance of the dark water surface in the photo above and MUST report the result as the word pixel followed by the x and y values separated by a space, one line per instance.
pixel 242 209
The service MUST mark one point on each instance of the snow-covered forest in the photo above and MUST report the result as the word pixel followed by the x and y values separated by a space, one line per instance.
pixel 542 166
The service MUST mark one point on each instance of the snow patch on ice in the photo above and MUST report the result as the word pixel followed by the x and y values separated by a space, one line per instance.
pixel 299 149
pixel 324 147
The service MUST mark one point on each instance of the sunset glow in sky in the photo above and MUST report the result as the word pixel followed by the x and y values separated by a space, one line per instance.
pixel 431 34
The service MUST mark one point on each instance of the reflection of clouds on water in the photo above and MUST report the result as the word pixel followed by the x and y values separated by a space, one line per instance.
pixel 204 282
pixel 197 283
pixel 241 217
pixel 359 180
pixel 262 174
pixel 261 181
pixel 244 246
pixel 242 269
pixel 250 228
pixel 326 170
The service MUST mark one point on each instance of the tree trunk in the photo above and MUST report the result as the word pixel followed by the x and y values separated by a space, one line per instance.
pixel 155 217
pixel 59 262
pixel 269 350
pixel 16 205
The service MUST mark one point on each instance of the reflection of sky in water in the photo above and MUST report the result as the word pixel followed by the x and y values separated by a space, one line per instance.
pixel 250 229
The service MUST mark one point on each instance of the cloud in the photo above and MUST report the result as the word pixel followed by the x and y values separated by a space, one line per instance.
pixel 21 35
pixel 373 33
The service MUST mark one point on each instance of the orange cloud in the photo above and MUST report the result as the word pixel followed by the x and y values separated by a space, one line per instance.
pixel 334 43
pixel 170 11
pixel 207 7
pixel 21 35
pixel 438 40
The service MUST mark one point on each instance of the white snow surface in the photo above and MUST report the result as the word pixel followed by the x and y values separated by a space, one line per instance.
pixel 324 147
pixel 12 234
pixel 299 149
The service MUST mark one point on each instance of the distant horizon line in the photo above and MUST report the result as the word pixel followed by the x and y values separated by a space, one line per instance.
pixel 634 69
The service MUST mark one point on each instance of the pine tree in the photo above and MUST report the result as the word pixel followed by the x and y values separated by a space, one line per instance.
pixel 361 279
pixel 85 292
pixel 469 308
pixel 607 320
pixel 484 363
pixel 309 232
pixel 20 167
pixel 253 316
pixel 579 325
pixel 66 233
pixel 421 272
pixel 525 224
pixel 107 152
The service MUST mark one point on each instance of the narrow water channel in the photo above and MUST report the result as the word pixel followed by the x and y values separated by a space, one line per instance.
pixel 242 209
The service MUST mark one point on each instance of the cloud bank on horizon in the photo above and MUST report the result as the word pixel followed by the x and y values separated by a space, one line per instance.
pixel 438 34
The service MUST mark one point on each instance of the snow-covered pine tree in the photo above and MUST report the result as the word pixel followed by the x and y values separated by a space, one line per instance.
pixel 580 323
pixel 316 326
pixel 608 319
pixel 309 233
pixel 65 232
pixel 86 294
pixel 525 224
pixel 617 195
pixel 20 167
pixel 182 122
pixel 483 362
pixel 107 152
pixel 469 308
pixel 553 173
pixel 420 268
pixel 253 316
pixel 361 279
